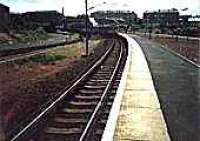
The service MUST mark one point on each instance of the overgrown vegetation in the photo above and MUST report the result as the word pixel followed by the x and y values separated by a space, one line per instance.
pixel 187 48
pixel 32 35
pixel 47 58
pixel 67 53
pixel 35 94
pixel 24 36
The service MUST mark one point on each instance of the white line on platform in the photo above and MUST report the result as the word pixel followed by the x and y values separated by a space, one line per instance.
pixel 181 56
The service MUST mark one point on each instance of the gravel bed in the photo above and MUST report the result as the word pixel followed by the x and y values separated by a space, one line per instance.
pixel 34 96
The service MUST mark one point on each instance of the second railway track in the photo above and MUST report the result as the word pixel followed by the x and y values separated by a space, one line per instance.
pixel 81 112
pixel 22 53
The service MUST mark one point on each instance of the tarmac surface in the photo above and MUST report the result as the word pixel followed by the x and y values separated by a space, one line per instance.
pixel 177 83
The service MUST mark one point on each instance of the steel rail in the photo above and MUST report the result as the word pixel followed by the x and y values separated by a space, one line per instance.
pixel 21 56
pixel 92 118
pixel 25 129
pixel 28 54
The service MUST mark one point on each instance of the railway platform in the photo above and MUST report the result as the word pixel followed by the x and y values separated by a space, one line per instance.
pixel 136 114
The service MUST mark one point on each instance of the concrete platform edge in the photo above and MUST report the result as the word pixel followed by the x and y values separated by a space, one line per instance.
pixel 113 116
pixel 109 131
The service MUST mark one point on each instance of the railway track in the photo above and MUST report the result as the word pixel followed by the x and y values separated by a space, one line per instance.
pixel 21 56
pixel 81 112
pixel 22 53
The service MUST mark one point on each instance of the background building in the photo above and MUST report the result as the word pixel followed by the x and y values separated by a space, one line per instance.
pixel 4 16
pixel 32 20
pixel 194 21
pixel 161 18
pixel 43 17
pixel 170 22
pixel 184 20
pixel 123 17
pixel 75 24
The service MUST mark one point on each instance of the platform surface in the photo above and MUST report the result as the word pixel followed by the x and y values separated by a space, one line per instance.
pixel 139 116
pixel 177 83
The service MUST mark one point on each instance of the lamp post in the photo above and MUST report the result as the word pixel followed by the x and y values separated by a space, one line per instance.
pixel 146 25
pixel 185 24
pixel 86 25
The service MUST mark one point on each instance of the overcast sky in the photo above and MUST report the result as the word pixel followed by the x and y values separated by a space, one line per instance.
pixel 74 7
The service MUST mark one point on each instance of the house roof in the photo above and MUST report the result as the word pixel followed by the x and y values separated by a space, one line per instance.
pixel 194 19
pixel 42 12
pixel 4 6
pixel 173 10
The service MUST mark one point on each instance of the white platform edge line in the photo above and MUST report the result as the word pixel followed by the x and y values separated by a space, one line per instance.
pixel 181 56
pixel 109 131
pixel 177 54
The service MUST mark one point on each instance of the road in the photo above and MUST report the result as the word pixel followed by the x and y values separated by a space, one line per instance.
pixel 177 84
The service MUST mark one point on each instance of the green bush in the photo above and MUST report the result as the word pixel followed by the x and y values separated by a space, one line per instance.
pixel 47 58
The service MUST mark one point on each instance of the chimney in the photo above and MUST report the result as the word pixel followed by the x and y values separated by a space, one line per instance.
pixel 63 10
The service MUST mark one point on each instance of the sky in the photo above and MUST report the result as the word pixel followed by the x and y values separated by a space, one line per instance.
pixel 75 7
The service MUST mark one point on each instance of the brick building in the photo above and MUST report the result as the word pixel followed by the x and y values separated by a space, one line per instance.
pixel 161 18
pixel 30 20
pixel 194 21
pixel 75 24
pixel 43 17
pixel 4 16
